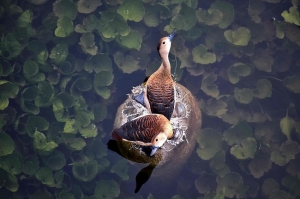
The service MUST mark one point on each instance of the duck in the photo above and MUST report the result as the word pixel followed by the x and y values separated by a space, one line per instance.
pixel 151 130
pixel 158 95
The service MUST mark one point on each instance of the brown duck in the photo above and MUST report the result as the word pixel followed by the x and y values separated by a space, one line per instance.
pixel 158 96
pixel 150 130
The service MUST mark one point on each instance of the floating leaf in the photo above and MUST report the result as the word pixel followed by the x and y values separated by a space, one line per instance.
pixel 46 94
pixel 244 95
pixel 237 133
pixel 155 13
pixel 240 37
pixel 104 78
pixel 286 152
pixel 287 125
pixel 185 19
pixel 71 126
pixel 65 8
pixel 292 16
pixel 215 107
pixel 64 27
pixel 88 6
pixel 9 181
pixel 201 56
pixel 98 63
pixel 74 143
pixel 112 24
pixel 121 169
pixel 10 47
pixel 208 87
pixel 8 89
pixel 12 163
pixel 79 86
pixel 238 70
pixel 36 123
pixel 31 165
pixel 132 10
pixel 260 165
pixel 25 18
pixel 89 23
pixel 210 142
pixel 246 149
pixel 59 53
pixel 107 189
pixel 292 82
pixel 88 44
pixel 226 9
pixel 55 161
pixel 126 64
pixel 89 131
pixel 40 142
pixel 97 149
pixel 85 172
pixel 44 174
pixel 264 89
pixel 132 41
pixel 262 61
pixel 211 17
pixel 7 144
pixel 231 185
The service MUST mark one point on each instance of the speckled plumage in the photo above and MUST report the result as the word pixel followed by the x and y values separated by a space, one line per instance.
pixel 149 130
pixel 159 89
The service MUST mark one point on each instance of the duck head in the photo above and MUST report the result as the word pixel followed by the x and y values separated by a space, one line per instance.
pixel 164 45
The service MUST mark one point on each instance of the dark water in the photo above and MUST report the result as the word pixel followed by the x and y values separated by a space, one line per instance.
pixel 66 66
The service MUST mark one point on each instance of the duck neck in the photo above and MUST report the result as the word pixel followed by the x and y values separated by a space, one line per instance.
pixel 165 66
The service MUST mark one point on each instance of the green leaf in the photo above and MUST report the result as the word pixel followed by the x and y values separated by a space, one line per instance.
pixel 259 165
pixel 121 169
pixel 132 10
pixel 8 181
pixel 292 16
pixel 89 131
pixel 100 112
pixel 8 89
pixel 40 142
pixel 155 13
pixel 231 185
pixel 88 6
pixel 185 19
pixel 244 95
pixel 71 126
pixel 65 8
pixel 262 61
pixel 65 195
pixel 89 23
pixel 208 85
pixel 287 124
pixel 240 37
pixel 264 89
pixel 3 102
pixel 126 64
pixel 25 18
pixel 104 78
pixel 112 24
pixel 292 82
pixel 7 144
pixel 64 27
pixel 12 163
pixel 201 56
pixel 246 149
pixel 226 9
pixel 10 47
pixel 36 123
pixel 85 172
pixel 210 18
pixel 237 133
pixel 55 161
pixel 88 44
pixel 107 189
pixel 98 63
pixel 132 41
pixel 59 53
pixel 44 174
pixel 31 165
pixel 46 94
pixel 238 70
pixel 210 142
pixel 79 86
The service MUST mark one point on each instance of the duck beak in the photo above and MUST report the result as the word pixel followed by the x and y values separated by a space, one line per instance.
pixel 153 150
pixel 172 35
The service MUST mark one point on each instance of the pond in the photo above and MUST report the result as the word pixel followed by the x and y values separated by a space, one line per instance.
pixel 67 65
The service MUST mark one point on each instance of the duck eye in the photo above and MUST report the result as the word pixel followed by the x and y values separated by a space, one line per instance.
pixel 164 42
pixel 156 140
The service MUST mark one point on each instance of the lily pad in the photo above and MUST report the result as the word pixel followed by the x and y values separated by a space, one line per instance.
pixel 55 161
pixel 211 17
pixel 112 24
pixel 59 53
pixel 201 56
pixel 88 6
pixel 246 149
pixel 87 43
pixel 155 14
pixel 262 61
pixel 79 86
pixel 64 27
pixel 98 63
pixel 97 149
pixel 7 144
pixel 107 189
pixel 36 123
pixel 46 94
pixel 89 23
pixel 286 152
pixel 31 165
pixel 292 82
pixel 208 85
pixel 238 70
pixel 226 9
pixel 210 142
pixel 85 172
pixel 132 41
pixel 89 131
pixel 126 64
pixel 292 16
pixel 231 185
pixel 240 37
pixel 121 169
pixel 244 95
pixel 45 175
pixel 65 8
pixel 132 10
pixel 9 181
pixel 104 78
pixel 185 19
pixel 264 89
pixel 287 124
pixel 237 133
pixel 12 163
pixel 10 47
pixel 61 104
pixel 41 144
pixel 260 165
